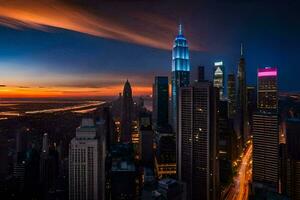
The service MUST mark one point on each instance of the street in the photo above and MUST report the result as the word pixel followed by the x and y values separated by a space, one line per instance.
pixel 239 190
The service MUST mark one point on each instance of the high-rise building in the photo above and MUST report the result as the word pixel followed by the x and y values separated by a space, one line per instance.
pixel 227 142
pixel 219 78
pixel 197 141
pixel 231 87
pixel 265 152
pixel 267 88
pixel 242 98
pixel 200 73
pixel 84 163
pixel 180 72
pixel 265 142
pixel 127 113
pixel 160 101
pixel 293 158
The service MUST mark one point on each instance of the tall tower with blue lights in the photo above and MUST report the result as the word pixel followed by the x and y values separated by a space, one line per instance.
pixel 180 72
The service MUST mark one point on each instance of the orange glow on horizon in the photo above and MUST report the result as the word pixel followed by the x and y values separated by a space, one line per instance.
pixel 52 92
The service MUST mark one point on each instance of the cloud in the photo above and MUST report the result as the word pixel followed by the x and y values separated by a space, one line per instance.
pixel 2 85
pixel 24 87
pixel 153 30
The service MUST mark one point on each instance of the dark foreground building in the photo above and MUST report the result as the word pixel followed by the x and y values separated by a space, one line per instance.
pixel 197 141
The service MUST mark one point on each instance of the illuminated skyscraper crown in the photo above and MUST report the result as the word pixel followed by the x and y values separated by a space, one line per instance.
pixel 180 56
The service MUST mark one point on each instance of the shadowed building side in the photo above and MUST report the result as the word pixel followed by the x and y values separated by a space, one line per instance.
pixel 242 98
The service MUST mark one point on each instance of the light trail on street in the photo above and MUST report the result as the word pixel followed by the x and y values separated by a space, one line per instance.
pixel 239 190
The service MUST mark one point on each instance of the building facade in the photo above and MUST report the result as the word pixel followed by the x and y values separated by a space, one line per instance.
pixel 231 87
pixel 84 163
pixel 266 136
pixel 265 151
pixel 197 141
pixel 267 88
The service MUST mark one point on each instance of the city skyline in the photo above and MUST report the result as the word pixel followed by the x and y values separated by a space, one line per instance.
pixel 78 77
pixel 46 58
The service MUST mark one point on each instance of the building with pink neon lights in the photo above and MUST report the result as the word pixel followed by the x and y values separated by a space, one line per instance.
pixel 267 88
pixel 266 72
pixel 265 133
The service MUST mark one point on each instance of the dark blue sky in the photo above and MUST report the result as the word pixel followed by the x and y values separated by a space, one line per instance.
pixel 55 57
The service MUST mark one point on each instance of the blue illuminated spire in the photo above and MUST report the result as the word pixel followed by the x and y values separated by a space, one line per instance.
pixel 180 72
pixel 180 58
pixel 180 30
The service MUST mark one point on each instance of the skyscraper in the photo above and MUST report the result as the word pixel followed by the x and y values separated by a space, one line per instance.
pixel 180 72
pixel 84 163
pixel 242 98
pixel 293 158
pixel 127 112
pixel 227 145
pixel 231 95
pixel 160 101
pixel 265 152
pixel 219 78
pixel 197 141
pixel 265 140
pixel 267 88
